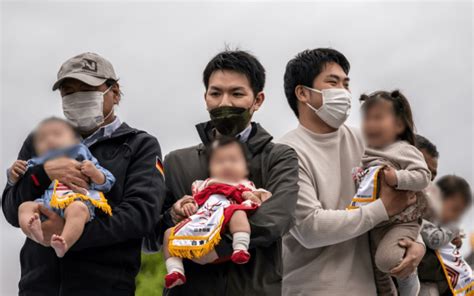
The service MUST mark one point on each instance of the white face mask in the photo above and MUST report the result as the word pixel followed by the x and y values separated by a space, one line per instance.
pixel 85 109
pixel 336 105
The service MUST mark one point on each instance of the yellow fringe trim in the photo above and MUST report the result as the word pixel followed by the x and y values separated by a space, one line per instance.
pixel 193 252
pixel 64 201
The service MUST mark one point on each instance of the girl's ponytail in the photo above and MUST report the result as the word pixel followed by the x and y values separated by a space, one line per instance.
pixel 401 108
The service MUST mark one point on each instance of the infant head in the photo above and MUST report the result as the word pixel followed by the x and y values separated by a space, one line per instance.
pixel 54 133
pixel 227 160
pixel 457 197
pixel 387 118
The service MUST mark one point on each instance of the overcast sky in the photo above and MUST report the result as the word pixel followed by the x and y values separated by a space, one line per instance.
pixel 160 49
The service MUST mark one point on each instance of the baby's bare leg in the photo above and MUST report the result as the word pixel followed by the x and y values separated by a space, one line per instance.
pixel 240 228
pixel 29 219
pixel 239 222
pixel 76 216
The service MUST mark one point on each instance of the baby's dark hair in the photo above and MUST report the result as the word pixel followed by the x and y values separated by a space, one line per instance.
pixel 401 109
pixel 60 120
pixel 451 185
pixel 222 142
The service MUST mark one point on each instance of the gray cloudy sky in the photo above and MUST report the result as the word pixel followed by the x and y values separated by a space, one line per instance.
pixel 160 49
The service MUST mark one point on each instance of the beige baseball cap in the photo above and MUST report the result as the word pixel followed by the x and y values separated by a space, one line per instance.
pixel 87 67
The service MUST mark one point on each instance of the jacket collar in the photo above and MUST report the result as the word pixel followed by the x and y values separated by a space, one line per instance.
pixel 122 130
pixel 257 140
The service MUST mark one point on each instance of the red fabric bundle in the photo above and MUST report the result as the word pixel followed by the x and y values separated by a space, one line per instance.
pixel 233 193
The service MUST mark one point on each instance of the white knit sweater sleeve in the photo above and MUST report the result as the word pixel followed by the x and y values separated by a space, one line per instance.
pixel 318 227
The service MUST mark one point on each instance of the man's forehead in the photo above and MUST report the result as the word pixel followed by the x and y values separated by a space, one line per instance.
pixel 228 79
pixel 334 70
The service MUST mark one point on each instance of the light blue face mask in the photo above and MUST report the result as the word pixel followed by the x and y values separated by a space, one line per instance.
pixel 85 109
pixel 336 105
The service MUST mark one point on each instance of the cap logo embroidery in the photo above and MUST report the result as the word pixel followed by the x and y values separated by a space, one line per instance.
pixel 89 65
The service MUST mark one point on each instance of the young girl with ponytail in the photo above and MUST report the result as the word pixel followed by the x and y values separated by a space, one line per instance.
pixel 391 156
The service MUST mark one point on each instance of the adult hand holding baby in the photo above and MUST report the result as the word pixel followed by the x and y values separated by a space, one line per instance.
pixel 414 253
pixel 177 211
pixel 68 172
pixel 252 196
pixel 395 201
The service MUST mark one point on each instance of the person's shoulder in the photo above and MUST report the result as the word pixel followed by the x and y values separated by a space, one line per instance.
pixel 183 153
pixel 278 151
pixel 143 135
pixel 140 137
pixel 288 137
pixel 353 135
pixel 185 150
pixel 353 132
pixel 282 148
pixel 292 139
pixel 407 150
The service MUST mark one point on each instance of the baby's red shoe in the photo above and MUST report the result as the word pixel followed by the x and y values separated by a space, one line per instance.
pixel 174 279
pixel 240 257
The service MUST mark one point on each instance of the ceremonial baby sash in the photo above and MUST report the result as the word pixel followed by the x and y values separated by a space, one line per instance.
pixel 458 273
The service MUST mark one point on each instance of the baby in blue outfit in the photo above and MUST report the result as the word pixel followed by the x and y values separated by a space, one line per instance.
pixel 53 138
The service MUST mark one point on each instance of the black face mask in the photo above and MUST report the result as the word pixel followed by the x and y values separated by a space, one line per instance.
pixel 229 120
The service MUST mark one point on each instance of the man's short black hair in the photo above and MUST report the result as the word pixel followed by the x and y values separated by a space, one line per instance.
pixel 424 143
pixel 241 62
pixel 451 185
pixel 305 67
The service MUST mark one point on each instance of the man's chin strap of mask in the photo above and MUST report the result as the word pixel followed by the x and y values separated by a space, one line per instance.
pixel 335 107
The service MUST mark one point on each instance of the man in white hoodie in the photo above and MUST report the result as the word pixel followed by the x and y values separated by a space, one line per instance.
pixel 327 252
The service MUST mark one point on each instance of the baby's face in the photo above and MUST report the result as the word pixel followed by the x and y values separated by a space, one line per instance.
pixel 453 209
pixel 380 125
pixel 53 135
pixel 228 163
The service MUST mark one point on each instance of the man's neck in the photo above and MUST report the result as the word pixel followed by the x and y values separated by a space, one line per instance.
pixel 107 121
pixel 315 124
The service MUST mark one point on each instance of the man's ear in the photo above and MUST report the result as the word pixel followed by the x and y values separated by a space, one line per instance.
pixel 302 94
pixel 259 99
pixel 117 93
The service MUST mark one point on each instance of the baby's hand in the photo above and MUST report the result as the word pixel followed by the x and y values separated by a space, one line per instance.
pixel 252 196
pixel 457 241
pixel 17 170
pixel 390 176
pixel 189 208
pixel 90 170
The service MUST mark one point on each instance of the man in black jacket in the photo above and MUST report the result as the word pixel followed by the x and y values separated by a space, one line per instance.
pixel 234 82
pixel 106 258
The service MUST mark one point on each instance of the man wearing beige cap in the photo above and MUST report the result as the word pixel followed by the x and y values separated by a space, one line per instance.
pixel 106 258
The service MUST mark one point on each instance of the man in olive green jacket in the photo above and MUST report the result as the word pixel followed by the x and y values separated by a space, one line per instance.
pixel 234 82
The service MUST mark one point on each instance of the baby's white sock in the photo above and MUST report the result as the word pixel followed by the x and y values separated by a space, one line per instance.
pixel 240 241
pixel 174 264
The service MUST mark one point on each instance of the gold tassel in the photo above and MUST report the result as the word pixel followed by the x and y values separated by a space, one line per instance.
pixel 195 251
pixel 65 201
pixel 188 253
